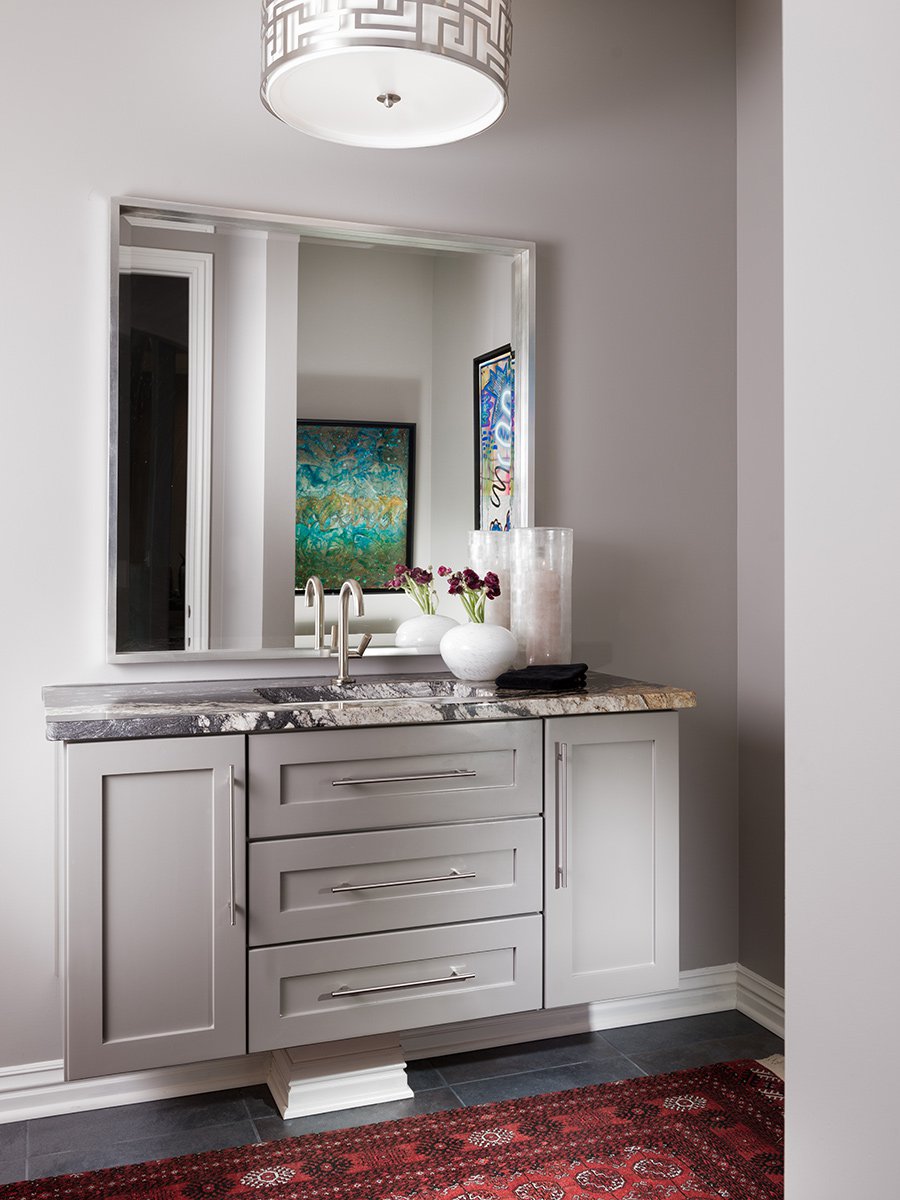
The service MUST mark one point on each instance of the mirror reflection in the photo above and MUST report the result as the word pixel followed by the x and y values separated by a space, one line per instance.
pixel 293 397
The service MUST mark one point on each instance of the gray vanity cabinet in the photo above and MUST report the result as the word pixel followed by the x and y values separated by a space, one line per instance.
pixel 156 935
pixel 611 859
pixel 397 877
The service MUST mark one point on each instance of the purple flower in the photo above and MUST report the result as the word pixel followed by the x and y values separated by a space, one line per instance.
pixel 417 583
pixel 472 590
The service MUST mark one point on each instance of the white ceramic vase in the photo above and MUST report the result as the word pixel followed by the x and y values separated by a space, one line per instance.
pixel 424 632
pixel 478 653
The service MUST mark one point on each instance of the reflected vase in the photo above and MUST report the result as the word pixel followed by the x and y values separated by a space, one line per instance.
pixel 489 551
pixel 424 632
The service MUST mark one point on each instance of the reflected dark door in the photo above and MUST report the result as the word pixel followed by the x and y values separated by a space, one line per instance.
pixel 152 483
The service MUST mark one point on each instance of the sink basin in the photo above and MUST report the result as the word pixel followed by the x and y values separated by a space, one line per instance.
pixel 375 690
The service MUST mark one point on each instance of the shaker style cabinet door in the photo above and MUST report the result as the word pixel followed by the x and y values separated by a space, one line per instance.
pixel 611 862
pixel 155 929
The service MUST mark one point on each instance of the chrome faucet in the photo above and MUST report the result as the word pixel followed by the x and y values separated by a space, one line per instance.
pixel 315 597
pixel 349 588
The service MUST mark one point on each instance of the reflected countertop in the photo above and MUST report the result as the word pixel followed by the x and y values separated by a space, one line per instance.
pixel 103 712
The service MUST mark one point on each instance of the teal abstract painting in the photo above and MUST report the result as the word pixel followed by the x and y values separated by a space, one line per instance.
pixel 354 502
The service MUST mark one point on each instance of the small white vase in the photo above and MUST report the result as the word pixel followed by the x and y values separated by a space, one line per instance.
pixel 477 652
pixel 423 632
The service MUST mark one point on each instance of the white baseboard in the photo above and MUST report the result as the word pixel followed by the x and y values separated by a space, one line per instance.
pixel 760 1000
pixel 40 1089
pixel 31 1075
pixel 710 989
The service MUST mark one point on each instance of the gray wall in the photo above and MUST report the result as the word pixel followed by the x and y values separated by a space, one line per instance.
pixel 617 157
pixel 760 416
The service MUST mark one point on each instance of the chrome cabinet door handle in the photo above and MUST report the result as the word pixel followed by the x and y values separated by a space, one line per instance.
pixel 366 887
pixel 562 815
pixel 454 977
pixel 231 840
pixel 461 774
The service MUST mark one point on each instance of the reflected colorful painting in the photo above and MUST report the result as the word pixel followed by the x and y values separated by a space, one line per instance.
pixel 354 502
pixel 495 435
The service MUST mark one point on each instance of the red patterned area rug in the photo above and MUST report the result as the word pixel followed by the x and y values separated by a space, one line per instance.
pixel 713 1133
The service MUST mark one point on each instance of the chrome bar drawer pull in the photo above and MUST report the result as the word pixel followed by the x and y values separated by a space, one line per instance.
pixel 454 977
pixel 461 774
pixel 368 887
pixel 231 841
pixel 562 815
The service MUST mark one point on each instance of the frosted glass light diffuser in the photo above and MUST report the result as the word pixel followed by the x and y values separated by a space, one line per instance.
pixel 386 73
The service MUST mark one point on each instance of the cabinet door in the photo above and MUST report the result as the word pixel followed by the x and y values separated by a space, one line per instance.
pixel 156 959
pixel 611 882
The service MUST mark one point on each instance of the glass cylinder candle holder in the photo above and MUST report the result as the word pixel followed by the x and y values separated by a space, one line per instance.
pixel 541 594
pixel 489 551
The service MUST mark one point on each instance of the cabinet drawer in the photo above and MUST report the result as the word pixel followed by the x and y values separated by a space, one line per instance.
pixel 352 883
pixel 350 987
pixel 328 781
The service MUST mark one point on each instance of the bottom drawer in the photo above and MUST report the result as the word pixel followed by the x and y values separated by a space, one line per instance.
pixel 349 987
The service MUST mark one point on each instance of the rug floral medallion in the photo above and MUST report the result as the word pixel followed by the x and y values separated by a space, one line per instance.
pixel 712 1133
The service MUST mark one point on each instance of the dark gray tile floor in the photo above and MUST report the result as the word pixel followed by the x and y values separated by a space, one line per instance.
pixel 190 1124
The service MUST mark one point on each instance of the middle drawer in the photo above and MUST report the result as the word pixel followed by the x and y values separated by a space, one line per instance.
pixel 353 883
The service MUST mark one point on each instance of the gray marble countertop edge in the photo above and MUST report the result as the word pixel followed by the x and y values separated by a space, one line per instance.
pixel 97 712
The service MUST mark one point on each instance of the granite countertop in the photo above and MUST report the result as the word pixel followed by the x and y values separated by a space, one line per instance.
pixel 102 712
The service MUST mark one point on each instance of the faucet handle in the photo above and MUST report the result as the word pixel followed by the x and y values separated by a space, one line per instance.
pixel 334 637
pixel 360 650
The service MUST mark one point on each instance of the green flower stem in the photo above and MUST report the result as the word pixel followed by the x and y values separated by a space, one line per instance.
pixel 423 594
pixel 473 602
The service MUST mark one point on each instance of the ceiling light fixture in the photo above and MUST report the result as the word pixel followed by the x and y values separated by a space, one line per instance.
pixel 386 73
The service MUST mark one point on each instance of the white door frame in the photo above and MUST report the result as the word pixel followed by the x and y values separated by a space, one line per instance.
pixel 197 268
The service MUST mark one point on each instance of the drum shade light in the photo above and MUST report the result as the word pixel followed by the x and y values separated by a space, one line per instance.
pixel 386 73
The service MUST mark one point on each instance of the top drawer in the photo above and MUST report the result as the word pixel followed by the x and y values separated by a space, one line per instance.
pixel 328 781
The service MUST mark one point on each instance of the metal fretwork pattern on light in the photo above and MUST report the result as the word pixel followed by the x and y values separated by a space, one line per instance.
pixel 477 32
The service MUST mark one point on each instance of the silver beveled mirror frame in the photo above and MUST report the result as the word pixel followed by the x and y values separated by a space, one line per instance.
pixel 521 253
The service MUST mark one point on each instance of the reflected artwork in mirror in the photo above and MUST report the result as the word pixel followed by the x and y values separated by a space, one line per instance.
pixel 495 437
pixel 355 502
pixel 233 331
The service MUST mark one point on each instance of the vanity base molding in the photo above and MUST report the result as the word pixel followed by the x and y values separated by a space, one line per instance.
pixel 39 1090
pixel 318 1079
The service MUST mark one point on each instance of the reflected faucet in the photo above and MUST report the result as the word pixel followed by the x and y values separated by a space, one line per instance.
pixel 349 588
pixel 315 597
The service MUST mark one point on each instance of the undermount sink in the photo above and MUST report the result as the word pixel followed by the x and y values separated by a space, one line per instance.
pixel 375 690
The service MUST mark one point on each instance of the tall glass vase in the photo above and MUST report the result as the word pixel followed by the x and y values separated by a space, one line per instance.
pixel 541 594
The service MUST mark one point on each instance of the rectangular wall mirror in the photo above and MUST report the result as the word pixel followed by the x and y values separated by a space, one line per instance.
pixel 242 342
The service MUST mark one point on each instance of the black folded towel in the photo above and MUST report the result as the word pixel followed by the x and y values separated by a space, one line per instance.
pixel 546 677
